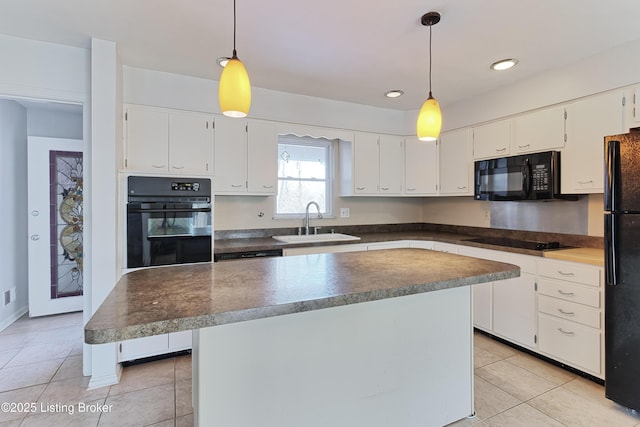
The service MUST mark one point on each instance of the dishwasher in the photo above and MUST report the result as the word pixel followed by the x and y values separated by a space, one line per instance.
pixel 227 256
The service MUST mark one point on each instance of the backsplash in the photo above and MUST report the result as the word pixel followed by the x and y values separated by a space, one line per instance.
pixel 555 216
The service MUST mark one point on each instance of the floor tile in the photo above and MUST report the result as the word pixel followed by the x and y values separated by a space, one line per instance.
pixel 482 357
pixel 138 377
pixel 72 391
pixel 66 415
pixel 13 423
pixel 6 356
pixel 56 335
pixel 11 342
pixel 548 371
pixel 139 408
pixel 12 378
pixel 185 421
pixel 515 380
pixel 71 367
pixel 183 367
pixel 183 397
pixel 573 409
pixel 493 346
pixel 490 400
pixel 40 353
pixel 22 395
pixel 522 416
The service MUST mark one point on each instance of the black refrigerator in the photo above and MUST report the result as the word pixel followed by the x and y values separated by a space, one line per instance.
pixel 622 268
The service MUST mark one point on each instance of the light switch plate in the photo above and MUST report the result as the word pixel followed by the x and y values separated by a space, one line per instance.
pixel 344 212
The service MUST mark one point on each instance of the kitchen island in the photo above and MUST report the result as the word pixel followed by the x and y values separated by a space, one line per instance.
pixel 365 338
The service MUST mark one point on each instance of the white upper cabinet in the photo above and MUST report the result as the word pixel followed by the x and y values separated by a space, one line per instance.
pixel 588 122
pixel 539 131
pixel 190 142
pixel 371 164
pixel 230 155
pixel 262 157
pixel 492 140
pixel 246 157
pixel 456 163
pixel 421 167
pixel 164 140
pixel 391 164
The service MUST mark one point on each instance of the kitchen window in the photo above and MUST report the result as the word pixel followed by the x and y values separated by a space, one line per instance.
pixel 304 175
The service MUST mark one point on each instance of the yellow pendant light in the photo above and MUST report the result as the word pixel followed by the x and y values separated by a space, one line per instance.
pixel 430 117
pixel 234 89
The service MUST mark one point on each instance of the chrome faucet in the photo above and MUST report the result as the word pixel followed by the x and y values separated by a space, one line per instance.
pixel 306 217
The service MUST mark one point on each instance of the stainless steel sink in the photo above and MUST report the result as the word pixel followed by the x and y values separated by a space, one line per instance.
pixel 315 238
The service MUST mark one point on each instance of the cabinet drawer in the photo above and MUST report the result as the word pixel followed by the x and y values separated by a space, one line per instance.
pixel 569 311
pixel 569 292
pixel 570 271
pixel 575 344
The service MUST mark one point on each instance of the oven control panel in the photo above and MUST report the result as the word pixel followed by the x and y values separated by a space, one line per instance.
pixel 185 186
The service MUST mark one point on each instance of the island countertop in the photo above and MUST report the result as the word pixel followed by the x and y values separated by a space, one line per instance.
pixel 171 299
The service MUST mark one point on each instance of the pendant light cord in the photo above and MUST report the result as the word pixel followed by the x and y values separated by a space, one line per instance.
pixel 234 30
pixel 430 95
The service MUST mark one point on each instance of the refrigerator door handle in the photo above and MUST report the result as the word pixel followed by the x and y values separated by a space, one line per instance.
pixel 610 260
pixel 612 175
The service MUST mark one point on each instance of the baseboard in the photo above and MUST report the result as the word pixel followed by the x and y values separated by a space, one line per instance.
pixel 105 380
pixel 13 317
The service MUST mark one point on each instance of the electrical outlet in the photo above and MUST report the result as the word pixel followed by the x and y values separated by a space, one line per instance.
pixel 7 297
pixel 344 212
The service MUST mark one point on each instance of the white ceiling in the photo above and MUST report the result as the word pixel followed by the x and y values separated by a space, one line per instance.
pixel 353 50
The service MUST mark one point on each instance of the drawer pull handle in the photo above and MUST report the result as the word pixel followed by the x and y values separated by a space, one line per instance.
pixel 566 313
pixel 359 188
pixel 411 189
pixel 236 185
pixel 500 150
pixel 567 294
pixel 566 274
pixel 385 188
pixel 522 147
pixel 462 188
pixel 568 333
pixel 586 182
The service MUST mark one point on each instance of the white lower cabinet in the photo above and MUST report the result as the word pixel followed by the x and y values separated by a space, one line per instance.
pixel 154 345
pixel 570 315
pixel 514 309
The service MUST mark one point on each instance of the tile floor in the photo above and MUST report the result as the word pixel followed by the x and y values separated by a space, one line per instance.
pixel 40 364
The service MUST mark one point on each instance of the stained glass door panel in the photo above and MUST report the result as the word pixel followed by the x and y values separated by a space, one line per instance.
pixel 55 211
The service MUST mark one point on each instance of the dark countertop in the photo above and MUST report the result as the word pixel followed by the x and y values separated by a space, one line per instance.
pixel 576 248
pixel 170 299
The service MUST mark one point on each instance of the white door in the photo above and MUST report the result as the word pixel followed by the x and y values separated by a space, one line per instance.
pixel 55 225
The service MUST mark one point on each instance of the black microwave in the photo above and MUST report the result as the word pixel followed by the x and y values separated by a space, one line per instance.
pixel 533 176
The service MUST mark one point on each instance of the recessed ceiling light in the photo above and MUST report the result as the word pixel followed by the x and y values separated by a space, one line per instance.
pixel 503 64
pixel 394 93
pixel 222 61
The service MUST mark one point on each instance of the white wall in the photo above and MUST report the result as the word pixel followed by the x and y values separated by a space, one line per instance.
pixel 13 215
pixel 54 124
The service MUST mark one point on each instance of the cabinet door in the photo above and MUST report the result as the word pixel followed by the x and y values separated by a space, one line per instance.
pixel 482 295
pixel 262 158
pixel 391 164
pixel 366 163
pixel 456 164
pixel 143 347
pixel 147 139
pixel 589 121
pixel 230 155
pixel 190 142
pixel 421 167
pixel 514 309
pixel 538 131
pixel 492 140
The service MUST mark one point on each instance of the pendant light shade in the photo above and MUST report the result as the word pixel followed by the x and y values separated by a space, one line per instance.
pixel 234 89
pixel 430 117
pixel 429 120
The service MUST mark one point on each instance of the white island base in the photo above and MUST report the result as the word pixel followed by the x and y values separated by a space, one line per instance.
pixel 405 361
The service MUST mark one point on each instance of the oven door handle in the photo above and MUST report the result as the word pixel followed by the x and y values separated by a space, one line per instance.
pixel 170 210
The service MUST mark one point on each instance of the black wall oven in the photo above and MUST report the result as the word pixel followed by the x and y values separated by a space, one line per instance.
pixel 169 221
